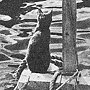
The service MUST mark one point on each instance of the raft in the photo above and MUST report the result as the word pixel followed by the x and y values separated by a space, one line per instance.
pixel 38 81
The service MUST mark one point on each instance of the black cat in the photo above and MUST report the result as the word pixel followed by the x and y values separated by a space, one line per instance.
pixel 38 55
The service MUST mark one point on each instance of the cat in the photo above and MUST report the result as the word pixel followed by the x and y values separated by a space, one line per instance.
pixel 38 54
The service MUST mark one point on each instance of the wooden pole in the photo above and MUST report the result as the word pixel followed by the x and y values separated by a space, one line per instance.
pixel 69 35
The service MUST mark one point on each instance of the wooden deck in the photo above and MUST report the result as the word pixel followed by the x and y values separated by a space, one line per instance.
pixel 37 81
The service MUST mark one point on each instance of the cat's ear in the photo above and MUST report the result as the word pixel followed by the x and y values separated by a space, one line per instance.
pixel 39 12
pixel 50 12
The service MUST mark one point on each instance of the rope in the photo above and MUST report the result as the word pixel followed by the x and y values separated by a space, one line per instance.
pixel 52 83
pixel 68 80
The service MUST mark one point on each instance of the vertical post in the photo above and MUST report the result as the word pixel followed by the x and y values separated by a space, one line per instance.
pixel 69 35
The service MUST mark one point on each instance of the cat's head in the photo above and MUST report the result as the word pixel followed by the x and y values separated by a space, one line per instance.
pixel 44 19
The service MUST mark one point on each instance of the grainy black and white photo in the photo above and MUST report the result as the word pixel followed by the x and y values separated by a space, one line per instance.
pixel 44 44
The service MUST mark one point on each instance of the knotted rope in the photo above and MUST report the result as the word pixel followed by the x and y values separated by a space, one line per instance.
pixel 58 73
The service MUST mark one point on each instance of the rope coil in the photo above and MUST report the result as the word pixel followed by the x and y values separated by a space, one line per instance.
pixel 68 80
pixel 58 73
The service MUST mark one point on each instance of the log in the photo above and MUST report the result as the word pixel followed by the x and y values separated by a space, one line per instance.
pixel 69 35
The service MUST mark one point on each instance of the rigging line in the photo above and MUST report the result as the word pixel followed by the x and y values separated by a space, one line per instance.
pixel 68 80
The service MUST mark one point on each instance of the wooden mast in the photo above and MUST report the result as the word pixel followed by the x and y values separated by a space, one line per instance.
pixel 69 35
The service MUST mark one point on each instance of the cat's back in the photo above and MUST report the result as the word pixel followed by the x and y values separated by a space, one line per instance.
pixel 38 56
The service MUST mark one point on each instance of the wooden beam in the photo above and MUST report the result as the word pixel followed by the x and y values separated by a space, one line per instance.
pixel 38 81
pixel 69 35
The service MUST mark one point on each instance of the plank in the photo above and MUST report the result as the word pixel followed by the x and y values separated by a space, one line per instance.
pixel 38 81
